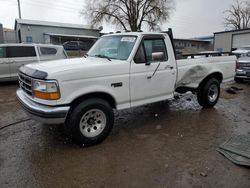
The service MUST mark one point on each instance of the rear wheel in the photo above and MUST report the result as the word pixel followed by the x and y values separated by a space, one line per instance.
pixel 90 122
pixel 209 93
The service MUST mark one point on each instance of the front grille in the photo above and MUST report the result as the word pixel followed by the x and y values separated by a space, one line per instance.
pixel 25 83
pixel 244 66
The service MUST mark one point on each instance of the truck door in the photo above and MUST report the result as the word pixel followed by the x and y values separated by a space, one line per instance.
pixel 20 55
pixel 153 72
pixel 4 64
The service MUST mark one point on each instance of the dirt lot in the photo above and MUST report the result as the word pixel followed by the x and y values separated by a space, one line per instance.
pixel 171 144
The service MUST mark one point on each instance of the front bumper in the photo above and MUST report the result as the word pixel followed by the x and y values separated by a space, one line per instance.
pixel 242 74
pixel 42 113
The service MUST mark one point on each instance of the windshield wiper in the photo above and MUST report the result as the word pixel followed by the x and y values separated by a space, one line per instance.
pixel 103 56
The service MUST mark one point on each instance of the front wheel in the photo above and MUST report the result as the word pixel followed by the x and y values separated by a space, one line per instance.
pixel 90 122
pixel 209 93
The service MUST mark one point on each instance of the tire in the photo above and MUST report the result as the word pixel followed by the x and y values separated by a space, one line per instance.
pixel 90 122
pixel 209 93
pixel 238 80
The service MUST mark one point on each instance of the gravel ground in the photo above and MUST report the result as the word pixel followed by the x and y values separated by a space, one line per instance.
pixel 168 144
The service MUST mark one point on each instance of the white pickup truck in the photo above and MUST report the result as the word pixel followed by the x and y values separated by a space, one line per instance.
pixel 120 71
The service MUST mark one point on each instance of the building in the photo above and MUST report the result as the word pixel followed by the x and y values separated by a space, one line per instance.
pixel 189 46
pixel 7 35
pixel 206 38
pixel 1 33
pixel 34 31
pixel 227 41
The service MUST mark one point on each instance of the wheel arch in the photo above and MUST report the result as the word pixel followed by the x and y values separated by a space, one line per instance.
pixel 216 75
pixel 102 95
pixel 184 89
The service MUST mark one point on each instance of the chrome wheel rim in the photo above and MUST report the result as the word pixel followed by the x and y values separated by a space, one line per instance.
pixel 93 123
pixel 213 93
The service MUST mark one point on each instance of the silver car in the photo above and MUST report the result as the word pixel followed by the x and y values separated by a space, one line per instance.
pixel 12 56
pixel 242 51
pixel 243 68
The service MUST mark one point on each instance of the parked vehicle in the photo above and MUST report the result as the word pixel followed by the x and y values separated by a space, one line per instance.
pixel 78 45
pixel 12 56
pixel 72 45
pixel 242 51
pixel 243 69
pixel 141 69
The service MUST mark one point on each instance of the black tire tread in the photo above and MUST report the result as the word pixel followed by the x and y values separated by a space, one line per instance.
pixel 72 122
pixel 202 94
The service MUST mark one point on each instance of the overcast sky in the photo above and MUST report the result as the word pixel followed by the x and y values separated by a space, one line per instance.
pixel 192 18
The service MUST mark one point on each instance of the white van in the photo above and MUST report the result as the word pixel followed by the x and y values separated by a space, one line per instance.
pixel 12 56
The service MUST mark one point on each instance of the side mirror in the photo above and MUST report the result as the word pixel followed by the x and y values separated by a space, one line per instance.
pixel 157 56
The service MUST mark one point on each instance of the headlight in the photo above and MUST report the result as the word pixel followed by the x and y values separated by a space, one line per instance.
pixel 240 71
pixel 46 90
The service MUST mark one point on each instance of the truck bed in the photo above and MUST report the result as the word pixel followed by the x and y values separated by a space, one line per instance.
pixel 192 71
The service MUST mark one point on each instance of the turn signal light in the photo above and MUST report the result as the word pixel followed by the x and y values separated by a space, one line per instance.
pixel 46 95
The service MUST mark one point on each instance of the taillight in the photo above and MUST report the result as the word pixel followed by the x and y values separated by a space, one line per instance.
pixel 237 65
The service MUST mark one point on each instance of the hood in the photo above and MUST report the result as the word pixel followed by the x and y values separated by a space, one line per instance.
pixel 79 68
pixel 65 64
pixel 240 51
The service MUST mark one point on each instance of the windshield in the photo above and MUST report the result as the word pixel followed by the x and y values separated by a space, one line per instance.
pixel 244 48
pixel 113 47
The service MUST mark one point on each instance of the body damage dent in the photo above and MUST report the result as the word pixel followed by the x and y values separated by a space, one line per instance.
pixel 193 75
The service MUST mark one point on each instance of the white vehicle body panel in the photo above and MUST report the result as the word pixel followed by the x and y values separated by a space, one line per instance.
pixel 192 71
pixel 82 76
pixel 4 69
pixel 9 66
pixel 160 87
pixel 17 62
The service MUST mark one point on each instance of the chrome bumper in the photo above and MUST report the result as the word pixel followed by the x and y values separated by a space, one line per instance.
pixel 242 74
pixel 42 113
pixel 242 77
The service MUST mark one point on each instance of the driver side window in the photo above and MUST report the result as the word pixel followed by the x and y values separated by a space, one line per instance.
pixel 148 47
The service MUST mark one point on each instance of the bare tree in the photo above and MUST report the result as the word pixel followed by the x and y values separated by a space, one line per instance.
pixel 129 14
pixel 238 15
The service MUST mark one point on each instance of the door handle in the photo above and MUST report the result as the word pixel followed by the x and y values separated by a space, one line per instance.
pixel 169 67
pixel 149 76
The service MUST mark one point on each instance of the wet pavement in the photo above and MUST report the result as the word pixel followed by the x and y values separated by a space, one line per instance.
pixel 168 144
